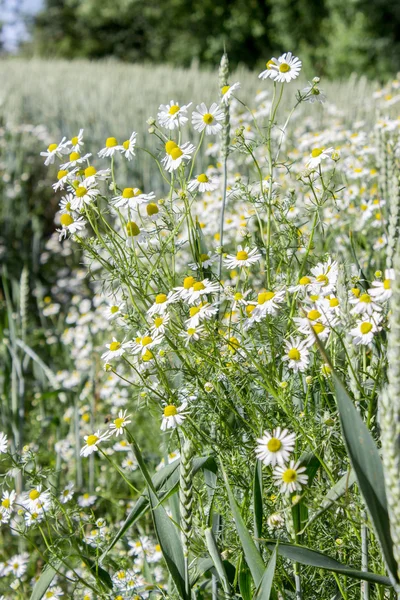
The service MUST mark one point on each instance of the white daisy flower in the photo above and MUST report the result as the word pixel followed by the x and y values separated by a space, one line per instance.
pixel 67 493
pixel 302 285
pixel 269 72
pixel 152 211
pixel 110 148
pixel 132 197
pixel 325 276
pixel 3 443
pixel 201 312
pixel 76 142
pixel 92 176
pixel 290 477
pixel 382 290
pixel 63 178
pixel 363 333
pixel 135 234
pixel 117 426
pixel 275 448
pixel 55 150
pixel 268 304
pixel 175 155
pixel 69 225
pixel 92 441
pixel 312 94
pixel 17 565
pixel 114 310
pixel 37 499
pixel 128 147
pixel 86 500
pixel 244 258
pixel 65 203
pixel 75 159
pixel 201 288
pixel 364 304
pixel 159 324
pixel 204 118
pixel 296 353
pixel 7 501
pixel 203 183
pixel 171 116
pixel 173 416
pixel 227 92
pixel 192 334
pixel 115 350
pixel 288 67
pixel 161 303
pixel 83 196
pixel 142 344
pixel 317 156
pixel 54 591
pixel 185 290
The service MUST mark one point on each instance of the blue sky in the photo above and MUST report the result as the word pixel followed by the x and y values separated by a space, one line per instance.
pixel 11 15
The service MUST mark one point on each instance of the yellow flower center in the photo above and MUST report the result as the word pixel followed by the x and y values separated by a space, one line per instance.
pixel 318 328
pixel 91 440
pixel 208 118
pixel 118 423
pixel 274 445
pixel 169 146
pixel 90 171
pixel 294 354
pixel 176 153
pixel 111 142
pixel 204 257
pixel 80 191
pixel 114 309
pixel 199 285
pixel 191 331
pixel 52 147
pixel 158 321
pixel 316 152
pixel 284 68
pixel 365 298
pixel 234 344
pixel 174 109
pixel 114 346
pixel 148 355
pixel 74 156
pixel 265 296
pixel 313 315
pixel 356 292
pixel 61 174
pixel 242 255
pixel 238 296
pixel 66 220
pixel 188 282
pixel 34 494
pixel 127 193
pixel 365 328
pixel 323 279
pixel 194 310
pixel 224 89
pixel 6 503
pixel 146 340
pixel 270 64
pixel 289 476
pixel 202 178
pixel 249 309
pixel 132 229
pixel 386 284
pixel 126 144
pixel 121 574
pixel 170 411
pixel 161 298
pixel 333 302
pixel 152 209
pixel 304 281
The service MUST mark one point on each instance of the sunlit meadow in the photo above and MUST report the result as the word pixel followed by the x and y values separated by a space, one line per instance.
pixel 200 318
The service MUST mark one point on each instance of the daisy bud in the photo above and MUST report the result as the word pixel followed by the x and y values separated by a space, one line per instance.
pixel 296 499
pixel 283 384
pixel 151 121
pixel 378 274
pixel 308 380
pixel 107 367
pixel 208 386
pixel 151 130
pixel 316 80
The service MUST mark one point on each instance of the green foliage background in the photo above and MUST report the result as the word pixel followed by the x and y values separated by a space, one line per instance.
pixel 335 37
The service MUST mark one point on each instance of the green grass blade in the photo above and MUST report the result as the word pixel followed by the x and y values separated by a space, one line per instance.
pixel 45 579
pixel 252 555
pixel 368 468
pixel 313 558
pixel 217 560
pixel 337 491
pixel 258 500
pixel 264 589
